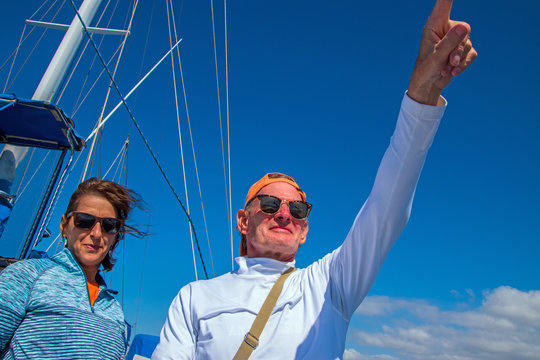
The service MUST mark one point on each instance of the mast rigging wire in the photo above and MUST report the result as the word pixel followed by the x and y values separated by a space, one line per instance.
pixel 34 174
pixel 14 59
pixel 81 53
pixel 153 187
pixel 52 243
pixel 53 199
pixel 141 134
pixel 34 48
pixel 228 125
pixel 130 92
pixel 227 202
pixel 120 169
pixel 25 170
pixel 149 221
pixel 180 135
pixel 21 42
pixel 100 118
pixel 80 101
pixel 193 146
pixel 121 152
pixel 124 169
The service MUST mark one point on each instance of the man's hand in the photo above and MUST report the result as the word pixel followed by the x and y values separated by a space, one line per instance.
pixel 445 51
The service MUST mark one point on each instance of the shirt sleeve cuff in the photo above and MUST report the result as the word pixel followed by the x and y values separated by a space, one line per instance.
pixel 421 111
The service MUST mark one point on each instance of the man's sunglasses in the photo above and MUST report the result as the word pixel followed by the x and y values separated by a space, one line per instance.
pixel 87 221
pixel 270 205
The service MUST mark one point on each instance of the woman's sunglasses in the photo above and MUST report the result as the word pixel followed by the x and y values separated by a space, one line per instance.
pixel 270 205
pixel 87 221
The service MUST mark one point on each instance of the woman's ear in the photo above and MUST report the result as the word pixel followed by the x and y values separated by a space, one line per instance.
pixel 63 224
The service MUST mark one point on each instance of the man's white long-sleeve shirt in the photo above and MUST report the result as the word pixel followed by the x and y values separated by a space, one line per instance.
pixel 209 318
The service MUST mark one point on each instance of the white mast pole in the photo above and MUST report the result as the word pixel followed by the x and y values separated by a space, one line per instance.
pixel 56 71
pixel 59 65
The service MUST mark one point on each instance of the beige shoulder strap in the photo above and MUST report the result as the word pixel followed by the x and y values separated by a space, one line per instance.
pixel 251 339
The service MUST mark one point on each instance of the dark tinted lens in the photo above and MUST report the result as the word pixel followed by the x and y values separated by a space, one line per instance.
pixel 87 221
pixel 269 204
pixel 84 221
pixel 110 225
pixel 298 209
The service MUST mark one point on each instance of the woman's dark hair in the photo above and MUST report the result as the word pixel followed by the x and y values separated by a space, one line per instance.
pixel 121 198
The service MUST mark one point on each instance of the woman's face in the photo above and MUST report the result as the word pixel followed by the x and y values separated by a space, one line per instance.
pixel 89 246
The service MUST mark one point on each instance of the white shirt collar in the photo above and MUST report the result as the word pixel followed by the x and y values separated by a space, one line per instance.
pixel 263 266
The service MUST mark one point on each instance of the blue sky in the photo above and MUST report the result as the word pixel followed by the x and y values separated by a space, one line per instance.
pixel 314 91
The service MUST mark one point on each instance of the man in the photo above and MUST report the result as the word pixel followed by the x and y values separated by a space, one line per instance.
pixel 210 319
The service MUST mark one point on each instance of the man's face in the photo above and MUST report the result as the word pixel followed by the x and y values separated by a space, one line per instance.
pixel 275 236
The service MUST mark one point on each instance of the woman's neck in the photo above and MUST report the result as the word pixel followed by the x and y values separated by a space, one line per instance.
pixel 90 273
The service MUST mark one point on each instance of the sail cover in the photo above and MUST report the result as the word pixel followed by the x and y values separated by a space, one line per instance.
pixel 37 124
pixel 142 347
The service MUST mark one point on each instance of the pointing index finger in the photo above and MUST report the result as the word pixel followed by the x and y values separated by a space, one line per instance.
pixel 441 11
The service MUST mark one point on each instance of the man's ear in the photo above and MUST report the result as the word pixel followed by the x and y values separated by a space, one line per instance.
pixel 303 234
pixel 242 221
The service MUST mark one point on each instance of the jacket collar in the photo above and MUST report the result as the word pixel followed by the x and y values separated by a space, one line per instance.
pixel 67 259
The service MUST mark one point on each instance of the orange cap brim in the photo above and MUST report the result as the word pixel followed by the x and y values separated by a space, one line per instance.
pixel 269 179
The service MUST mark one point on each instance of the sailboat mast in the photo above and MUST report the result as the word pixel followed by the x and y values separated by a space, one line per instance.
pixel 59 65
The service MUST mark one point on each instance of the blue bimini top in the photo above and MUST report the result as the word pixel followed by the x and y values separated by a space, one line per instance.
pixel 36 124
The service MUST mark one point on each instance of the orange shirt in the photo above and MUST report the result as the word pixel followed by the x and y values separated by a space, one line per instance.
pixel 93 291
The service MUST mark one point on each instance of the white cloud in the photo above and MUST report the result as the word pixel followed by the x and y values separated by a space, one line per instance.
pixel 351 354
pixel 470 293
pixel 522 307
pixel 505 326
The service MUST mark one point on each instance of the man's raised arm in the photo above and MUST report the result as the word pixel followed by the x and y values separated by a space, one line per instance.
pixel 445 52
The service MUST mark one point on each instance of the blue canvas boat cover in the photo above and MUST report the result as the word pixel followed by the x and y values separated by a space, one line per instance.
pixel 36 124
pixel 143 345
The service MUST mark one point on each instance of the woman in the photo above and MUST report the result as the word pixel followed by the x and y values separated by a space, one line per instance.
pixel 60 308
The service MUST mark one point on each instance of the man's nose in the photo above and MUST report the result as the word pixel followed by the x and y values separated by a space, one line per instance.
pixel 283 213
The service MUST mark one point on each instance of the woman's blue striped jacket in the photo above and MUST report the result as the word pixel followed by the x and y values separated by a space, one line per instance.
pixel 45 313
